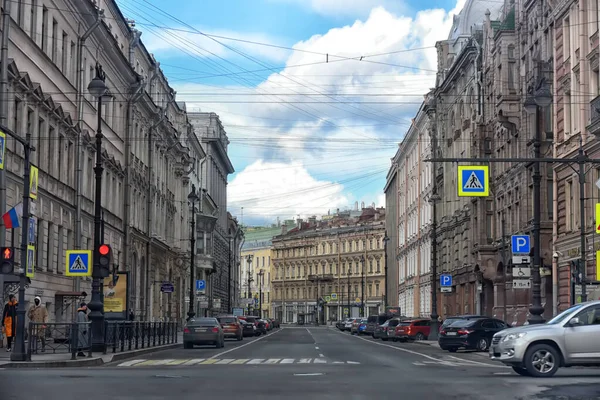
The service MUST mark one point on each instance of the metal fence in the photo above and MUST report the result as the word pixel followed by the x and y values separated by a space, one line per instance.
pixel 134 335
pixel 59 338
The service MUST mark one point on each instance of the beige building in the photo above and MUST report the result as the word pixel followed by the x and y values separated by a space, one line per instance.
pixel 334 266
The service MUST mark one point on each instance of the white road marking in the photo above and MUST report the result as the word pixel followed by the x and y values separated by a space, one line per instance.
pixel 338 362
pixel 352 362
pixel 256 361
pixel 247 344
pixel 503 373
pixel 287 361
pixel 319 361
pixel 305 361
pixel 478 363
pixel 194 361
pixel 316 348
pixel 321 355
pixel 418 363
pixel 272 361
pixel 226 361
pixel 162 362
pixel 310 374
pixel 130 363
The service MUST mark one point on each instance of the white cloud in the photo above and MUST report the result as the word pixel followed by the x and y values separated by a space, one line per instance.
pixel 170 41
pixel 338 8
pixel 266 190
pixel 328 139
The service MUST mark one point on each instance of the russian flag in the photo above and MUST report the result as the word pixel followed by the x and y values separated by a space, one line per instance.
pixel 12 219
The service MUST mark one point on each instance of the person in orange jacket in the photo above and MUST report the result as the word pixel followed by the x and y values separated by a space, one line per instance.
pixel 9 320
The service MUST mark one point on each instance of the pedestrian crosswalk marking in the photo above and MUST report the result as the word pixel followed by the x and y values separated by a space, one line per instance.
pixel 232 361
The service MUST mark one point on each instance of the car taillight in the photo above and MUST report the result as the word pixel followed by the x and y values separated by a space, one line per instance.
pixel 464 332
pixel 215 329
pixel 186 330
pixel 443 332
pixel 408 329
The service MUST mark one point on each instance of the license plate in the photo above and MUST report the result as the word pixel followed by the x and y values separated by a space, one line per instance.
pixel 202 330
pixel 451 334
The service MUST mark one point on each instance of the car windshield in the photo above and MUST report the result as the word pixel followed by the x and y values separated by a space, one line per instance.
pixel 463 323
pixel 203 322
pixel 563 315
pixel 363 321
pixel 226 320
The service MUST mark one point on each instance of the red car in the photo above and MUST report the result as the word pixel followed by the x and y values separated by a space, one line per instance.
pixel 415 329
pixel 231 326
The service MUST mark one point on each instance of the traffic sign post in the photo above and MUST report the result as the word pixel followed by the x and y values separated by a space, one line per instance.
pixel 521 244
pixel 445 280
pixel 200 285
pixel 79 263
pixel 334 296
pixel 473 180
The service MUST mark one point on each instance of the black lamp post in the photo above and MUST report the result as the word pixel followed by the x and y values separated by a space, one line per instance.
pixel 362 283
pixel 97 88
pixel 260 278
pixel 386 239
pixel 249 258
pixel 349 274
pixel 192 198
pixel 540 98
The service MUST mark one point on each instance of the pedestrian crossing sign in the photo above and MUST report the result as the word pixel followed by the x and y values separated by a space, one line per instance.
pixel 79 263
pixel 30 271
pixel 597 217
pixel 473 180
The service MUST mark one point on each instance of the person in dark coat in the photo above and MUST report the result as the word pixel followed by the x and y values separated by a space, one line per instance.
pixel 9 321
pixel 82 333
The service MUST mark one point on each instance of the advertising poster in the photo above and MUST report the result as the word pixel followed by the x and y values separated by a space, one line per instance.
pixel 115 294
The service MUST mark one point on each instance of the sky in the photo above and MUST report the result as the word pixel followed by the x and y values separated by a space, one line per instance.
pixel 315 95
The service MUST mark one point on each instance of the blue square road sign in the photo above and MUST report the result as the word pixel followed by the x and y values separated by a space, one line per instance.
pixel 200 284
pixel 521 244
pixel 445 280
pixel 79 263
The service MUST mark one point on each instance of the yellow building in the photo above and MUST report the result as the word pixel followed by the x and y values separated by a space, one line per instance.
pixel 256 275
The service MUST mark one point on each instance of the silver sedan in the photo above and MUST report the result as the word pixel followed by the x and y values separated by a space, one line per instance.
pixel 203 331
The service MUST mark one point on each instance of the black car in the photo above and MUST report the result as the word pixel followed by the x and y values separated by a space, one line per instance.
pixel 470 334
pixel 247 328
pixel 261 328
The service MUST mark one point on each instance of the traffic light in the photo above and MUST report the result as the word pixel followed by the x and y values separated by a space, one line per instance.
pixel 104 257
pixel 8 260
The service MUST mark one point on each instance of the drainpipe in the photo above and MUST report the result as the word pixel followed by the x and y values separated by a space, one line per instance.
pixel 555 213
pixel 78 160
pixel 135 96
pixel 163 114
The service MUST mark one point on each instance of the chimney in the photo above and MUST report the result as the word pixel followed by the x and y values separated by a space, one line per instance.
pixel 299 223
pixel 283 229
pixel 362 204
pixel 312 220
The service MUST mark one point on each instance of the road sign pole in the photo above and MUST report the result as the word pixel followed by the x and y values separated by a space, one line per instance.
pixel 581 161
pixel 19 353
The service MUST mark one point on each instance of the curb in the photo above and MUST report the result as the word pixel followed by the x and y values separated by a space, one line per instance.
pixel 88 362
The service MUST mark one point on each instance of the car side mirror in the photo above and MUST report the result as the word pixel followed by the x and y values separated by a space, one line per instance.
pixel 574 321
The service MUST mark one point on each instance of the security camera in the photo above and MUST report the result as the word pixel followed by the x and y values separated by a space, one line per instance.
pixel 556 254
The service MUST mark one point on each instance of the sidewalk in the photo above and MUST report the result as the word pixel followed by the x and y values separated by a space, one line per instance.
pixel 435 344
pixel 63 360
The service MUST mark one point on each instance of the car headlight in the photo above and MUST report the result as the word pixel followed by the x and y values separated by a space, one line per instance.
pixel 513 336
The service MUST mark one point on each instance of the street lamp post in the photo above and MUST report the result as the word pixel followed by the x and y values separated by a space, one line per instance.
pixel 192 198
pixel 97 88
pixel 349 274
pixel 362 283
pixel 537 99
pixel 260 278
pixel 249 258
pixel 386 239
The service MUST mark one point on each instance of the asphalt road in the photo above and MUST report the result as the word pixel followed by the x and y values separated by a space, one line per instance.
pixel 299 363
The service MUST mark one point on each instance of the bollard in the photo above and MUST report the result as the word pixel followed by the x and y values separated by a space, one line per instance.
pixel 129 335
pixel 114 338
pixel 137 334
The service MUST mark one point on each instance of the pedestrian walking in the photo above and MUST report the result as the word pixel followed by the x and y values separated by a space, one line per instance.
pixel 9 321
pixel 82 326
pixel 38 314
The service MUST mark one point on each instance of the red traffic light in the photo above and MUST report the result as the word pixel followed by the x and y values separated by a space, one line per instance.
pixel 7 253
pixel 104 249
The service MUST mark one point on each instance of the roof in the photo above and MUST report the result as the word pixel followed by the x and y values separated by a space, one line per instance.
pixel 473 13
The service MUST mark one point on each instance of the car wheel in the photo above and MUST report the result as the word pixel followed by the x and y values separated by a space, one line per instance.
pixel 452 349
pixel 384 339
pixel 521 371
pixel 482 344
pixel 187 345
pixel 420 336
pixel 542 360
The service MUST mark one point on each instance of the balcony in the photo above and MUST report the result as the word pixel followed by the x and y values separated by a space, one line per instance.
pixel 321 278
pixel 594 126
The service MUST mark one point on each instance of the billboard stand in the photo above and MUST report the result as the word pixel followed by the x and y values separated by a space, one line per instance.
pixel 116 296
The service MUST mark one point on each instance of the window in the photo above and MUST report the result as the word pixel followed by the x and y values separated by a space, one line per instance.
pixel 64 56
pixel 54 55
pixel 570 206
pixel 32 22
pixel 44 32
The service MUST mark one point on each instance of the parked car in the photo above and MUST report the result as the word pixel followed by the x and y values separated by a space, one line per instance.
pixel 450 320
pixel 348 324
pixel 248 329
pixel 381 331
pixel 356 326
pixel 567 340
pixel 231 326
pixel 203 331
pixel 340 324
pixel 260 325
pixel 374 321
pixel 470 334
pixel 412 329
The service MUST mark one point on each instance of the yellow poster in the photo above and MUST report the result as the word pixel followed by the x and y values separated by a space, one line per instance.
pixel 33 182
pixel 115 293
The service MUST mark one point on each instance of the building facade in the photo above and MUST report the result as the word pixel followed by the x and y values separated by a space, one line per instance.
pixel 415 181
pixel 391 227
pixel 330 269
pixel 574 38
pixel 256 278
pixel 146 156
pixel 215 255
